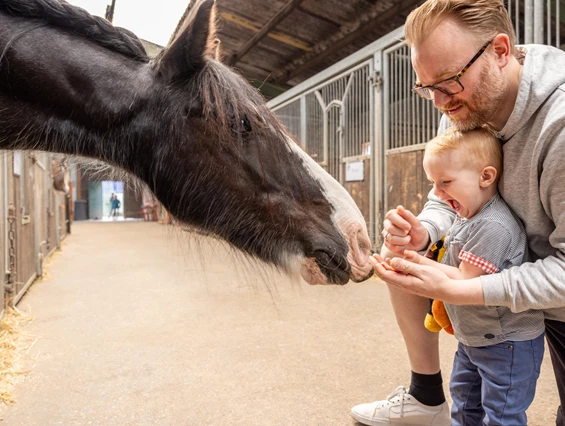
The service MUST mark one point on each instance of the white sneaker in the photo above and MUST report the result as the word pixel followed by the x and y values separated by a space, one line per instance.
pixel 401 409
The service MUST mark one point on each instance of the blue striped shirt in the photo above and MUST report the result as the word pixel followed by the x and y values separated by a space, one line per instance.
pixel 494 239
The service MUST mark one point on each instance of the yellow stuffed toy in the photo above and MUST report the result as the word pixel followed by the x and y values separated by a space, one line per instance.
pixel 437 318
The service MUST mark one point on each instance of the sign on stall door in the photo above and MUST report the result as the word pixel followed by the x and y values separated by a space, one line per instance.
pixel 18 163
pixel 354 171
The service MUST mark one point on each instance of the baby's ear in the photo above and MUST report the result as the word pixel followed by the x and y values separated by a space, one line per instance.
pixel 488 176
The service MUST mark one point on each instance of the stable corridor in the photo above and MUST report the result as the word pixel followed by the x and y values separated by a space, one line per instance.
pixel 139 324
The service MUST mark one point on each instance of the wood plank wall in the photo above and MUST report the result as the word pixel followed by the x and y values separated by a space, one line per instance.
pixel 406 180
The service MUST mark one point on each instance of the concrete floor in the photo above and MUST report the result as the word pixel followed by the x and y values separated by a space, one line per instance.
pixel 132 331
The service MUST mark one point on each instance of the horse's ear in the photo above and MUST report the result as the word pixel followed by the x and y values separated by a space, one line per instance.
pixel 194 44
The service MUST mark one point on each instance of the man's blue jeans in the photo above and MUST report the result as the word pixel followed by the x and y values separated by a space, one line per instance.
pixel 495 385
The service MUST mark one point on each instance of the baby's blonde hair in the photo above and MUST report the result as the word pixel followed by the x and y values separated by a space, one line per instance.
pixel 481 147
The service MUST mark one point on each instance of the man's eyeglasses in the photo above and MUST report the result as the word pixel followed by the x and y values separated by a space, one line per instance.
pixel 449 86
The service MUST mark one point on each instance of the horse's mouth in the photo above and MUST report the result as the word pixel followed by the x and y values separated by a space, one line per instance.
pixel 365 278
pixel 336 269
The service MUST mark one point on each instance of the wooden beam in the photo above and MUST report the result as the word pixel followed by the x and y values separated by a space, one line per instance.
pixel 367 23
pixel 272 23
pixel 253 26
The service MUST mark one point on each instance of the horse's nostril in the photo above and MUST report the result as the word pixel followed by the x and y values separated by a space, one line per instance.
pixel 363 242
pixel 365 249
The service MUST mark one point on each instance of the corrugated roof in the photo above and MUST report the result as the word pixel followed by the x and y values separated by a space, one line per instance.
pixel 280 43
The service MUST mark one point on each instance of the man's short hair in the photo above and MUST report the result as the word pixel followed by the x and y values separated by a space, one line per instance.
pixel 483 18
pixel 481 146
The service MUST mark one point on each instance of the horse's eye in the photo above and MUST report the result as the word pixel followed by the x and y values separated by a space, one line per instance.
pixel 245 125
pixel 242 127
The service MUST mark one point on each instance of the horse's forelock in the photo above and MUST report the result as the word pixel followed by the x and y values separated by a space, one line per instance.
pixel 227 98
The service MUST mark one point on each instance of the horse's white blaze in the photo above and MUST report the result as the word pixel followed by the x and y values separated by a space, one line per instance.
pixel 347 218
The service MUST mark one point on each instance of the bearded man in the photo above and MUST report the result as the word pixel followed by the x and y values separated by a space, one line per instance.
pixel 466 62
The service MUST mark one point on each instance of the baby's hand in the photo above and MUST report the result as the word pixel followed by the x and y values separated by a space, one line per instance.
pixel 385 263
pixel 402 230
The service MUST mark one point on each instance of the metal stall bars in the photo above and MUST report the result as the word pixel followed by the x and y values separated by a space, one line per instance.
pixel 334 117
pixel 290 114
pixel 538 21
pixel 409 122
pixel 340 109
pixel 333 122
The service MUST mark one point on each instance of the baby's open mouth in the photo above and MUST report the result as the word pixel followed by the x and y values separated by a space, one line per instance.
pixel 454 205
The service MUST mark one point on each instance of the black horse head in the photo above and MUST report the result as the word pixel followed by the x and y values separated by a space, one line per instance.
pixel 193 130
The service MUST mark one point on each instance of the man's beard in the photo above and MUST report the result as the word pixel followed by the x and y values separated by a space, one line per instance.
pixel 485 101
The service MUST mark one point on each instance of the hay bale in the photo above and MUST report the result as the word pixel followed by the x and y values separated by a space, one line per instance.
pixel 15 345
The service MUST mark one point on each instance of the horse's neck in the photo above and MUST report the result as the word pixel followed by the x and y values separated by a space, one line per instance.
pixel 61 93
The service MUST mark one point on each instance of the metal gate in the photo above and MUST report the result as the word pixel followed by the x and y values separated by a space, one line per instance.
pixel 538 21
pixel 334 124
pixel 339 123
pixel 409 122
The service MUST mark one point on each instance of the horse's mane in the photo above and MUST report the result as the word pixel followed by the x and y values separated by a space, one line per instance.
pixel 76 20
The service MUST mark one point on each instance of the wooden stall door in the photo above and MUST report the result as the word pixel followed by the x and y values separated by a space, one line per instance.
pixel 360 191
pixel 407 184
pixel 22 188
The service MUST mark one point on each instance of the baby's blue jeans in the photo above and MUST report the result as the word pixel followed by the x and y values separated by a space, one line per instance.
pixel 495 385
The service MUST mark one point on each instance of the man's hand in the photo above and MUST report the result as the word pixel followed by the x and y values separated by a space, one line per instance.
pixel 403 230
pixel 427 280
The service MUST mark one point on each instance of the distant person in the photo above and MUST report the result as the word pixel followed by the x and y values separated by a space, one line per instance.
pixel 114 205
pixel 111 205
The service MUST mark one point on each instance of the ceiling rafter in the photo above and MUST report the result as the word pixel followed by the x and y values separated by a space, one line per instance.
pixel 342 38
pixel 286 10
pixel 255 27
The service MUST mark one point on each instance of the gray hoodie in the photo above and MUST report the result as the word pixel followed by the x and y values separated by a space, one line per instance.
pixel 533 185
